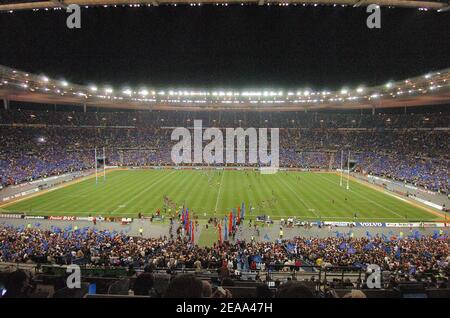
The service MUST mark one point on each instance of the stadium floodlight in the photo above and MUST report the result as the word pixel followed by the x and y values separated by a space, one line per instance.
pixel 360 90
pixel 306 93
pixel 388 85
pixel 143 92
pixel 445 9
pixel 427 76
pixel 108 90
pixel 64 83
pixel 127 91
pixel 45 79
pixel 93 88
pixel 344 91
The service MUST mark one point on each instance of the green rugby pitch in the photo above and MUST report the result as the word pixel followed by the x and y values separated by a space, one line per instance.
pixel 207 193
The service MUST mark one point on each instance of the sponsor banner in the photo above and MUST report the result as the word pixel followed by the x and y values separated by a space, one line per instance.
pixel 413 224
pixel 429 224
pixel 411 187
pixel 427 191
pixel 371 224
pixel 417 224
pixel 126 220
pixel 62 218
pixel 11 216
pixel 339 223
pixel 21 194
pixel 89 218
pixel 34 217
pixel 84 218
pixel 433 205
pixel 30 191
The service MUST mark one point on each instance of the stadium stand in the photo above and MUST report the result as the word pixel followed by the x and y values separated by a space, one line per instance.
pixel 401 146
pixel 308 267
pixel 407 147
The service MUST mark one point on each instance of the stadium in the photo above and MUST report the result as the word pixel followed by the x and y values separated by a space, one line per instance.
pixel 197 188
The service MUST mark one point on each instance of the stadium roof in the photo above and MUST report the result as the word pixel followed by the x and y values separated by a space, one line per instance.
pixel 427 89
pixel 11 5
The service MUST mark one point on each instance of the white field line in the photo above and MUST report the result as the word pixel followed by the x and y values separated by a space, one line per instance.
pixel 394 196
pixel 143 191
pixel 218 193
pixel 299 198
pixel 368 199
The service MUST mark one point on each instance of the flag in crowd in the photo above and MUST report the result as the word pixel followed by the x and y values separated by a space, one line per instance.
pixel 225 229
pixel 220 232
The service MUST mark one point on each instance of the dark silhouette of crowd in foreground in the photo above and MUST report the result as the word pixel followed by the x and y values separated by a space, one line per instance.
pixel 406 147
pixel 411 258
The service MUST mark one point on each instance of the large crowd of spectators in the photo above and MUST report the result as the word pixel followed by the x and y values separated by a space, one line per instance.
pixel 407 147
pixel 410 256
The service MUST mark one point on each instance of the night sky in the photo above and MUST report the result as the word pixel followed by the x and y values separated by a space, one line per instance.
pixel 227 47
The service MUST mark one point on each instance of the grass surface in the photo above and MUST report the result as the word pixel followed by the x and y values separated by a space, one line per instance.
pixel 307 195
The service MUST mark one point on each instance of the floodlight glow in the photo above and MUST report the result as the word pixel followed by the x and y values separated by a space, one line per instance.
pixel 389 85
pixel 127 92
pixel 344 91
pixel 108 90
pixel 93 88
pixel 360 89
pixel 45 79
pixel 64 83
